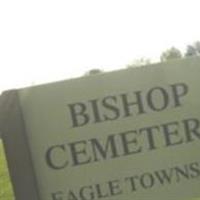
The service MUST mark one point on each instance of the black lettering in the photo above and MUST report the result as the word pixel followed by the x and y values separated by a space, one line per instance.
pixel 131 180
pixel 191 128
pixel 79 153
pixel 195 169
pixel 128 142
pixel 57 195
pixel 114 187
pixel 99 191
pixel 127 104
pixel 152 99
pixel 52 152
pixel 182 173
pixel 179 90
pixel 71 196
pixel 86 193
pixel 164 176
pixel 171 134
pixel 150 136
pixel 78 114
pixel 98 148
pixel 95 110
pixel 147 180
pixel 108 105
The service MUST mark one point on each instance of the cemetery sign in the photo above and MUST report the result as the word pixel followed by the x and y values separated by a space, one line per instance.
pixel 124 135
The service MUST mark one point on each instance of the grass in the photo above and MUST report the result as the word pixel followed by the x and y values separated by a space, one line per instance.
pixel 5 184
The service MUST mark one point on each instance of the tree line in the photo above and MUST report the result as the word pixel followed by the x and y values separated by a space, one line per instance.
pixel 174 53
pixel 169 54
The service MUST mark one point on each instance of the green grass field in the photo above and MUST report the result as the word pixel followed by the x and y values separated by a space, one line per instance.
pixel 5 185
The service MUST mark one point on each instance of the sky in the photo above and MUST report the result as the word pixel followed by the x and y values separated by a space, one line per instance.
pixel 43 41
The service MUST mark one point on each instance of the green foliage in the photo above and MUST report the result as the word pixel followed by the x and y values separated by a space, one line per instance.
pixel 193 50
pixel 93 72
pixel 197 46
pixel 174 53
pixel 5 185
pixel 140 62
pixel 170 54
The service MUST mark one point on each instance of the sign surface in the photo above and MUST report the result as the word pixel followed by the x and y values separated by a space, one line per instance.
pixel 129 134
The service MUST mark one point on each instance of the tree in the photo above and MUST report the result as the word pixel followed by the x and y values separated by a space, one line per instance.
pixel 197 46
pixel 140 62
pixel 193 50
pixel 93 72
pixel 169 54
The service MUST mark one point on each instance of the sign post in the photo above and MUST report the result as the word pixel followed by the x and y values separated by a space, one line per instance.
pixel 129 134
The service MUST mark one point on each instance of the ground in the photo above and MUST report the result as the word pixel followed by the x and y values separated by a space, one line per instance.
pixel 5 185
